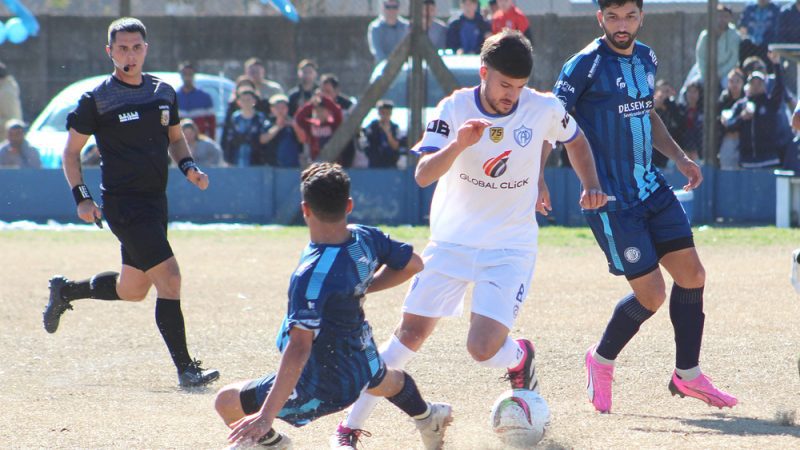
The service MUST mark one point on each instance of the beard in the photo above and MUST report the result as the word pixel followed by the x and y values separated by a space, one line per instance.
pixel 621 45
pixel 495 104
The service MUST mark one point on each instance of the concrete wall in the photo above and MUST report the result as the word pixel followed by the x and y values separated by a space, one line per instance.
pixel 267 195
pixel 70 48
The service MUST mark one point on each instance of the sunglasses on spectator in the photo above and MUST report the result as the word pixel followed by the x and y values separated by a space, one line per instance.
pixel 392 6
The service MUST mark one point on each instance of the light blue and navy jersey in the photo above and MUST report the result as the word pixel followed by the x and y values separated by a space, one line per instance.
pixel 326 293
pixel 611 96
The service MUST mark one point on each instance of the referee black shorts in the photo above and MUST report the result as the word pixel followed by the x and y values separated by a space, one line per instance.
pixel 140 224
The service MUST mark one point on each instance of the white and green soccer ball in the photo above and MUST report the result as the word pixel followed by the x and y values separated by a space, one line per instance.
pixel 520 418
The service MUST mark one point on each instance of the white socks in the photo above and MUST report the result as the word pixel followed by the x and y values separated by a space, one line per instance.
pixel 508 357
pixel 688 374
pixel 396 356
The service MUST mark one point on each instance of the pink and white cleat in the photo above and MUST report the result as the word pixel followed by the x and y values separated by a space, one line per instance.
pixel 598 386
pixel 701 388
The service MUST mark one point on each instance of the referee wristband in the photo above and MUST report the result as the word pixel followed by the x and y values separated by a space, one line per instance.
pixel 81 193
pixel 187 164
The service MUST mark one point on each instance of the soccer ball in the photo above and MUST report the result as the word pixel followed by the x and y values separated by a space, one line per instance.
pixel 520 418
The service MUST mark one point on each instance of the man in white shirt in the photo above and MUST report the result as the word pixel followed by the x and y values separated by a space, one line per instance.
pixel 484 147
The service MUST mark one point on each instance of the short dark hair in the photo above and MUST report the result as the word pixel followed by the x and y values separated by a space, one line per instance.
pixel 127 25
pixel 603 4
pixel 325 188
pixel 508 52
pixel 186 65
pixel 329 78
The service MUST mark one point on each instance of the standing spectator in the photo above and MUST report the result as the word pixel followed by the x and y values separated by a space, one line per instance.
pixel 466 33
pixel 509 16
pixel 789 24
pixel 692 105
pixel 757 26
pixel 16 152
pixel 195 104
pixel 491 8
pixel 671 114
pixel 329 87
pixel 318 118
pixel 729 146
pixel 243 146
pixel 10 106
pixel 383 138
pixel 728 42
pixel 254 69
pixel 203 149
pixel 306 85
pixel 437 30
pixel 242 83
pixel 283 145
pixel 386 31
pixel 756 117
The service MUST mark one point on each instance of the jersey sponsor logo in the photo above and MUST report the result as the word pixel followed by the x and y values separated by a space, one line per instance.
pixel 505 185
pixel 653 57
pixel 496 134
pixel 164 118
pixel 438 126
pixel 128 116
pixel 621 84
pixel 563 85
pixel 637 108
pixel 497 166
pixel 563 100
pixel 632 254
pixel 523 135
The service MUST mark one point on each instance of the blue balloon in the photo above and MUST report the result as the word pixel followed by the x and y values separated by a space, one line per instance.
pixel 2 33
pixel 286 8
pixel 16 31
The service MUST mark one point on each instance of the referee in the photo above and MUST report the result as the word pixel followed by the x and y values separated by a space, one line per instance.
pixel 134 118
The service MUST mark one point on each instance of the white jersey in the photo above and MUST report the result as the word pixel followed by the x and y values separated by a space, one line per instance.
pixel 487 199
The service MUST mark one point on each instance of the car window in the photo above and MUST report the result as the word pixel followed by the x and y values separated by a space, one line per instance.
pixel 397 91
pixel 57 120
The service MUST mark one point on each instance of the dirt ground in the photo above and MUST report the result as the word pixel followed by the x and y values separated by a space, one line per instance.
pixel 104 380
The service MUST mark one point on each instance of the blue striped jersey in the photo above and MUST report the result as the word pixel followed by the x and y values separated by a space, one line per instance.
pixel 326 291
pixel 610 96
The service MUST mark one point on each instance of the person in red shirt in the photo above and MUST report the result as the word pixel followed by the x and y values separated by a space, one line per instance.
pixel 318 118
pixel 509 16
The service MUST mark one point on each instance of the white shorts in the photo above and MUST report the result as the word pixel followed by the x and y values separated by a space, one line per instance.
pixel 502 279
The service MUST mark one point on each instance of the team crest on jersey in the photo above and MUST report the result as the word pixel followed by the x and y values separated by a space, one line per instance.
pixel 164 118
pixel 496 134
pixel 495 167
pixel 523 135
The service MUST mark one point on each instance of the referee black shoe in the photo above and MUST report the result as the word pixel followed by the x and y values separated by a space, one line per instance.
pixel 56 306
pixel 194 375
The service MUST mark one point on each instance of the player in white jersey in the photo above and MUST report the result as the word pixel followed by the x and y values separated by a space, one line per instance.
pixel 484 147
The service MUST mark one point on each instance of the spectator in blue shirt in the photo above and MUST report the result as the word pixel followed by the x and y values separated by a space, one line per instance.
pixel 244 144
pixel 437 30
pixel 466 33
pixel 195 104
pixel 383 138
pixel 758 25
pixel 789 24
pixel 283 145
pixel 386 32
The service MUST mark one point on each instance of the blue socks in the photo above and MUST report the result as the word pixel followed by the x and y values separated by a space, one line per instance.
pixel 624 324
pixel 686 314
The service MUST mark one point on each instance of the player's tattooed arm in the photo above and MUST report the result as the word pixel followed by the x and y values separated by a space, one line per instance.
pixel 432 166
pixel 664 143
pixel 580 155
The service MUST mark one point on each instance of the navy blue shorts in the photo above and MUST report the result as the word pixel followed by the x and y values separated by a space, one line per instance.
pixel 320 390
pixel 140 224
pixel 635 239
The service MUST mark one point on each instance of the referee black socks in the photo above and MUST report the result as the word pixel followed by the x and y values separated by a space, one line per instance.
pixel 169 319
pixel 102 286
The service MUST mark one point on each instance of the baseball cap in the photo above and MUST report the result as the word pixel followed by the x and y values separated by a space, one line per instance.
pixel 757 74
pixel 277 98
pixel 384 104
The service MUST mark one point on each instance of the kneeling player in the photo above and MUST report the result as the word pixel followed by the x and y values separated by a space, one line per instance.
pixel 329 356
